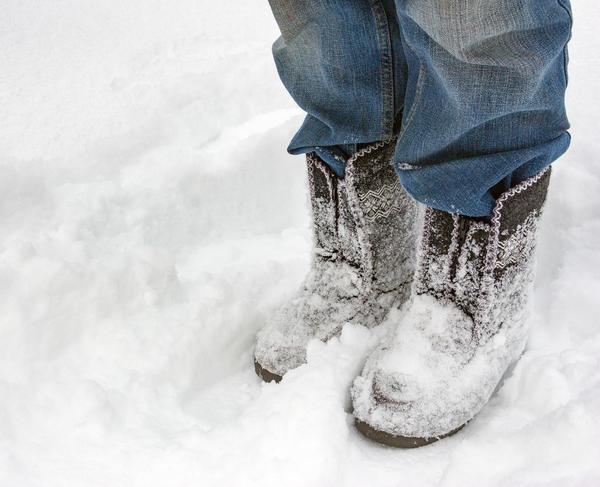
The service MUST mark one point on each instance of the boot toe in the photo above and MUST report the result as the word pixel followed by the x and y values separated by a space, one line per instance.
pixel 273 359
pixel 265 374
pixel 279 349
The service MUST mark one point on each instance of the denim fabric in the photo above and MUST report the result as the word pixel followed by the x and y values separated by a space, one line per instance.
pixel 476 89
pixel 335 58
pixel 335 156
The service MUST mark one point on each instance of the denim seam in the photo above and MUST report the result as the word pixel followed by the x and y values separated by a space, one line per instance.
pixel 416 102
pixel 386 68
pixel 565 53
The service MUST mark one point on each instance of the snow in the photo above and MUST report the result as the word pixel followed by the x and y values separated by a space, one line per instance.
pixel 428 377
pixel 150 220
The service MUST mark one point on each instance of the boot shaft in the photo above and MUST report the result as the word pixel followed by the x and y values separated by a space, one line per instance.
pixel 322 184
pixel 365 218
pixel 478 264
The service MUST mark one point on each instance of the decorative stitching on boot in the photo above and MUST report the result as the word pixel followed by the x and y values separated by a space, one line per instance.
pixel 354 204
pixel 367 150
pixel 494 242
pixel 380 203
pixel 371 205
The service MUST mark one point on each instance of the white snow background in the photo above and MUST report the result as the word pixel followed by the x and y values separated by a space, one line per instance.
pixel 150 219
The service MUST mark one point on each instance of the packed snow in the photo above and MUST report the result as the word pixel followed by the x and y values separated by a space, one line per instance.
pixel 150 219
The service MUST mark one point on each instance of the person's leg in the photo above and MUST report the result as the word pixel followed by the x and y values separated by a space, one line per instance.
pixel 342 63
pixel 484 99
pixel 337 59
pixel 484 118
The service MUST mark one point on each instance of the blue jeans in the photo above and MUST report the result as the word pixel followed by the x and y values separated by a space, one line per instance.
pixel 473 89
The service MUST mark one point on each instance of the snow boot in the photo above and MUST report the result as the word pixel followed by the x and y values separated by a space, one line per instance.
pixel 363 260
pixel 464 326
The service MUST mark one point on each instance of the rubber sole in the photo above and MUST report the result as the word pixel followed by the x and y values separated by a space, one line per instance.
pixel 266 375
pixel 395 440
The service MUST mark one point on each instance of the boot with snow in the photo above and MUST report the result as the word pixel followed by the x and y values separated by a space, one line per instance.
pixel 463 328
pixel 363 258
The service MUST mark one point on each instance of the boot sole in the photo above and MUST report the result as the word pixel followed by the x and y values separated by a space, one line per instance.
pixel 395 440
pixel 266 375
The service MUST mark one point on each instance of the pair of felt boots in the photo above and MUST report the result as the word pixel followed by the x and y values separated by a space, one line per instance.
pixel 464 297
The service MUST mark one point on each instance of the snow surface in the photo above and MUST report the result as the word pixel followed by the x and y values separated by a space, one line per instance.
pixel 150 219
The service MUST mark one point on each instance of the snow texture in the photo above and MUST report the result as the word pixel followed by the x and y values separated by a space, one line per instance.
pixel 150 220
